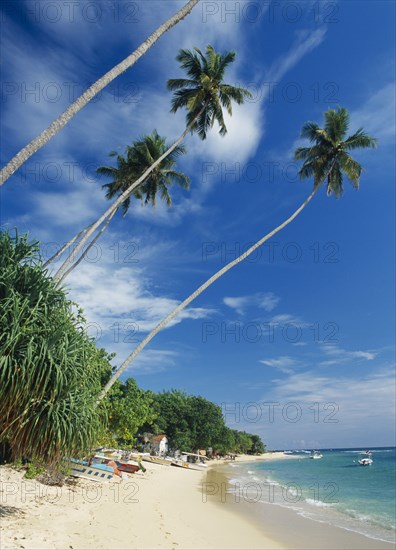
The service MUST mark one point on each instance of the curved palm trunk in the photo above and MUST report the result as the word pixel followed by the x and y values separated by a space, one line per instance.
pixel 116 204
pixel 91 92
pixel 197 292
pixel 64 247
pixel 80 259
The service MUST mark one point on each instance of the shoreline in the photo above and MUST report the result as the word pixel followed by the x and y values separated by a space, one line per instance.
pixel 164 508
pixel 301 532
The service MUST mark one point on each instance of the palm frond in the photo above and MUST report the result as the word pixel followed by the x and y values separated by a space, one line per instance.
pixel 204 93
pixel 177 83
pixel 360 140
pixel 335 181
pixel 336 124
pixel 327 159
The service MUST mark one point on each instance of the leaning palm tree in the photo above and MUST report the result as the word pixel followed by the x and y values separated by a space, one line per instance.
pixel 203 94
pixel 325 160
pixel 55 126
pixel 139 157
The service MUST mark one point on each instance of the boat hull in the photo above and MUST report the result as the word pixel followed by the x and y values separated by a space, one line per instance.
pixel 94 472
pixel 157 460
pixel 122 466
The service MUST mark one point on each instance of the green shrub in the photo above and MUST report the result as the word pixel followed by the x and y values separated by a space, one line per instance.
pixel 50 370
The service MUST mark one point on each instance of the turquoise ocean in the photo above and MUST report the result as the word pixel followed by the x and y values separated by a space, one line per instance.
pixel 334 489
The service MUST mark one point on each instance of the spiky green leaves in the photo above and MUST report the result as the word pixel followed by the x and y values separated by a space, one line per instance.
pixel 49 368
pixel 327 158
pixel 204 94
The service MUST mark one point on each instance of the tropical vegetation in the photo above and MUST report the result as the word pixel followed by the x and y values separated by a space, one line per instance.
pixel 326 160
pixel 51 374
pixel 138 158
pixel 59 393
pixel 204 95
pixel 50 370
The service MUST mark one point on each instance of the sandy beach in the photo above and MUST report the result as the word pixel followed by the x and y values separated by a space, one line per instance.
pixel 163 508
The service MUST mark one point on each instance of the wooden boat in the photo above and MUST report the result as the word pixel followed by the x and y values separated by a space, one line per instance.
pixel 122 466
pixel 94 472
pixel 180 464
pixel 157 460
pixel 194 461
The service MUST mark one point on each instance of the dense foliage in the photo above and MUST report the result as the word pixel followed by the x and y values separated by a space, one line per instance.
pixel 50 370
pixel 51 374
pixel 128 408
pixel 193 423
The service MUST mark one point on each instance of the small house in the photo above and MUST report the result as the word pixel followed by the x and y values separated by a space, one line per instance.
pixel 154 444
pixel 159 444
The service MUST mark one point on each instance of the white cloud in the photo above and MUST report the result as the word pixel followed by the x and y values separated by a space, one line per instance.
pixel 287 319
pixel 341 356
pixel 267 301
pixel 283 364
pixel 377 114
pixel 151 361
pixel 305 43
pixel 244 130
pixel 311 410
pixel 110 294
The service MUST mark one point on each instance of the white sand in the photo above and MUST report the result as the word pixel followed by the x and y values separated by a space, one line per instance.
pixel 163 508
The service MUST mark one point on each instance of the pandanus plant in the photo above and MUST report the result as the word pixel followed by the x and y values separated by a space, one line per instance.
pixel 49 368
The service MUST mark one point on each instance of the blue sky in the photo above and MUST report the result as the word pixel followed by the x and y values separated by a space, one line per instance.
pixel 297 343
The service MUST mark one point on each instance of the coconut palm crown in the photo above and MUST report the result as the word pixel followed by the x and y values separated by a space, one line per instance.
pixel 204 93
pixel 140 156
pixel 328 158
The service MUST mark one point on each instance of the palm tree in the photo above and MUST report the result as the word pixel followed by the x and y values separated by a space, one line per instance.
pixel 139 156
pixel 203 100
pixel 55 126
pixel 326 160
pixel 204 93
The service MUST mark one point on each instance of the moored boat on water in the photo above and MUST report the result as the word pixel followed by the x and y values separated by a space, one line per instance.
pixel 315 455
pixel 366 460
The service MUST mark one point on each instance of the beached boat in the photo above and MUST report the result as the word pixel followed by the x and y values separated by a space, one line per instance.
pixel 195 461
pixel 315 455
pixel 94 472
pixel 190 461
pixel 122 466
pixel 158 460
pixel 180 464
